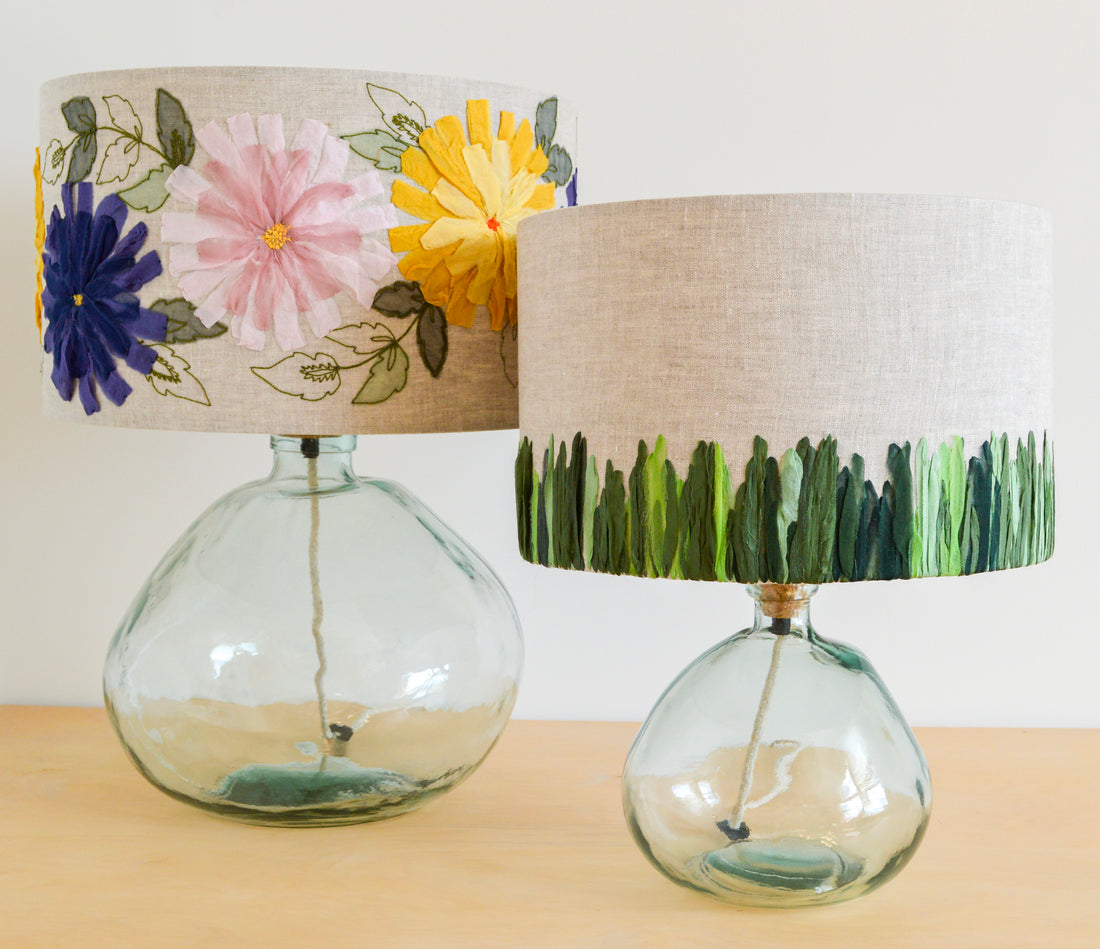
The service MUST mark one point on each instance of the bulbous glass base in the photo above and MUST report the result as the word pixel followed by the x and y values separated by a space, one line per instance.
pixel 777 770
pixel 316 649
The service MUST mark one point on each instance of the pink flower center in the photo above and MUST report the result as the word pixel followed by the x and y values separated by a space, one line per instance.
pixel 276 236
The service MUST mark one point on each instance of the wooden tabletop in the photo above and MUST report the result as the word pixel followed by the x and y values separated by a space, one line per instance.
pixel 530 852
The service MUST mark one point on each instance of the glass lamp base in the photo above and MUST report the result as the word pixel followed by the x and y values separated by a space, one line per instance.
pixel 316 649
pixel 777 770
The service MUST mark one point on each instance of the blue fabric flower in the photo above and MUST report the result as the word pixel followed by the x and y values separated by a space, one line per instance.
pixel 90 299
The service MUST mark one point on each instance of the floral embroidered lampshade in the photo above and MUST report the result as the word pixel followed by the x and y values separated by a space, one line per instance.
pixel 310 254
pixel 258 250
pixel 784 391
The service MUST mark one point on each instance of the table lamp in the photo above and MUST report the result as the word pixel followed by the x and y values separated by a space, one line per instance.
pixel 784 391
pixel 317 254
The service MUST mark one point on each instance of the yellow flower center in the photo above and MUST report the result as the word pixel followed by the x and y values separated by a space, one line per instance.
pixel 78 299
pixel 276 236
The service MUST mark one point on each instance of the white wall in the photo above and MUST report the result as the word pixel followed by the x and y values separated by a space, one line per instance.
pixel 991 98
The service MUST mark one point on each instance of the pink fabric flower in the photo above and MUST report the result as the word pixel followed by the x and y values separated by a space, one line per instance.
pixel 276 232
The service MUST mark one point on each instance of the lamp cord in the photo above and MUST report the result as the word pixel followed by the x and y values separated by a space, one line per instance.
pixel 737 829
pixel 318 605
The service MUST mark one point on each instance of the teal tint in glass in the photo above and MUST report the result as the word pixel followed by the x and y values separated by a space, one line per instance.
pixel 317 648
pixel 777 770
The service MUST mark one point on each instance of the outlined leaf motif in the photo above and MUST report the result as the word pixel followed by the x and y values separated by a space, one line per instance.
pixel 309 377
pixel 174 131
pixel 364 339
pixel 509 353
pixel 183 325
pixel 150 193
pixel 53 162
pixel 389 371
pixel 79 113
pixel 380 147
pixel 171 375
pixel 123 116
pixel 546 123
pixel 560 169
pixel 118 159
pixel 400 299
pixel 431 339
pixel 401 116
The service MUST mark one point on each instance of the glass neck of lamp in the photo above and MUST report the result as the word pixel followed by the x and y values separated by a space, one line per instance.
pixel 324 460
pixel 782 608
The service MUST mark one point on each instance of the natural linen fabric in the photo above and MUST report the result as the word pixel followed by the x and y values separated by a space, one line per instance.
pixel 326 362
pixel 875 319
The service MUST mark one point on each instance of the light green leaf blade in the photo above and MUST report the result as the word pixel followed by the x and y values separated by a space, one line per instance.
pixel 150 193
pixel 379 146
pixel 389 371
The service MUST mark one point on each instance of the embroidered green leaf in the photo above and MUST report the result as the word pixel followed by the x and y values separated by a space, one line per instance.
pixel 122 115
pixel 560 169
pixel 380 147
pixel 547 544
pixel 591 498
pixel 389 371
pixel 82 159
pixel 364 339
pixel 851 512
pixel 546 123
pixel 509 353
pixel 657 514
pixel 402 116
pixel 309 377
pixel 431 339
pixel 150 193
pixel 525 481
pixel 639 514
pixel 399 300
pixel 171 375
pixel 174 131
pixel 183 325
pixel 80 116
pixel 121 155
pixel 790 479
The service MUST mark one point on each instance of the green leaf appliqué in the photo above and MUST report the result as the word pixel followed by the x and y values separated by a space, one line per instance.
pixel 150 193
pixel 389 371
pixel 174 131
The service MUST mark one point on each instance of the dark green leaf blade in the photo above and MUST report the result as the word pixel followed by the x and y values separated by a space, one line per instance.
pixel 174 131
pixel 431 339
pixel 400 299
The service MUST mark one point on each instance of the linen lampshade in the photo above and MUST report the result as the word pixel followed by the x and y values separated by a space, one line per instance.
pixel 289 250
pixel 787 388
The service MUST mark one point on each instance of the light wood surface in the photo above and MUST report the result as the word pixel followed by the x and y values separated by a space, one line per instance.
pixel 531 851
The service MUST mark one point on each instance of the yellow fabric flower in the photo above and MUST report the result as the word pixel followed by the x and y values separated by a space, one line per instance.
pixel 474 194
pixel 39 240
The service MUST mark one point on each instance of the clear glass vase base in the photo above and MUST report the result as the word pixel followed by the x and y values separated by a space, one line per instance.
pixel 756 869
pixel 244 762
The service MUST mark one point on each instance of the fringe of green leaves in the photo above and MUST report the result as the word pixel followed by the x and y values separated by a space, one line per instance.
pixel 799 518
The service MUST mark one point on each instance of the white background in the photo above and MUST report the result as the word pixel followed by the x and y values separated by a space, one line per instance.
pixel 988 98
